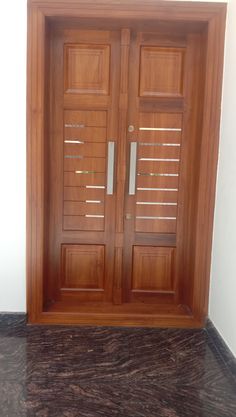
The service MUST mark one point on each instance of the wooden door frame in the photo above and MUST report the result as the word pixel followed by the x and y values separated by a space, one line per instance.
pixel 213 15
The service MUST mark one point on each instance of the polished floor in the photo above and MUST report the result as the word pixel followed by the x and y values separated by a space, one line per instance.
pixel 122 372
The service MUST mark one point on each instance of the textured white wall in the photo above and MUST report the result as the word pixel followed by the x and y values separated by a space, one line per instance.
pixel 12 157
pixel 13 176
pixel 223 275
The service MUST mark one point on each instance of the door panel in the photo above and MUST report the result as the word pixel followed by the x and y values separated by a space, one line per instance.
pixel 161 71
pixel 156 72
pixel 152 269
pixel 86 69
pixel 83 267
pixel 84 99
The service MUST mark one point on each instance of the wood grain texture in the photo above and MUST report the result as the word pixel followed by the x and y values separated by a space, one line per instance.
pixel 152 269
pixel 86 69
pixel 83 267
pixel 204 126
pixel 161 72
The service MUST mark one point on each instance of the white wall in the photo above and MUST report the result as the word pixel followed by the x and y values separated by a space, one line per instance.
pixel 13 177
pixel 12 156
pixel 223 279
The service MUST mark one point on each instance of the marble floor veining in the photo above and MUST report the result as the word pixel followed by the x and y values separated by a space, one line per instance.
pixel 102 371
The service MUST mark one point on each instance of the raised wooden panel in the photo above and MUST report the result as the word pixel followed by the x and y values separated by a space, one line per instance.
pixel 152 268
pixel 161 71
pixel 87 69
pixel 83 267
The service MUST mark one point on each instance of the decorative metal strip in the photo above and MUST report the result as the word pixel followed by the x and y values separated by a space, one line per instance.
pixel 73 157
pixel 86 172
pixel 154 174
pixel 155 204
pixel 162 129
pixel 156 189
pixel 95 186
pixel 75 125
pixel 159 159
pixel 155 218
pixel 100 216
pixel 158 144
pixel 73 141
pixel 93 201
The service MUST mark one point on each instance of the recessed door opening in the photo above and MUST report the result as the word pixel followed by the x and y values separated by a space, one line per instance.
pixel 122 146
pixel 123 116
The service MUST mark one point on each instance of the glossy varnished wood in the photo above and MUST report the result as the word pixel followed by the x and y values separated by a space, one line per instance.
pixel 207 22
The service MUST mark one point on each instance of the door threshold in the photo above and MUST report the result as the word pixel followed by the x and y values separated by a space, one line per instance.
pixel 130 315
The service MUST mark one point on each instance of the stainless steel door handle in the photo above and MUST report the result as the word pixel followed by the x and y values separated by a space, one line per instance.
pixel 132 167
pixel 110 167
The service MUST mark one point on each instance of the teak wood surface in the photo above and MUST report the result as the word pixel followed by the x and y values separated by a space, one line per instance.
pixel 195 240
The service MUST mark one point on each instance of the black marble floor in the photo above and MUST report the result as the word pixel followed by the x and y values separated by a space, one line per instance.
pixel 89 372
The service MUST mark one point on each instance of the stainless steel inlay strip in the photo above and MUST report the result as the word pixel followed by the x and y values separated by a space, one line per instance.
pixel 159 159
pixel 162 129
pixel 158 144
pixel 156 189
pixel 155 218
pixel 86 172
pixel 94 215
pixel 154 174
pixel 73 141
pixel 155 204
pixel 95 186
pixel 75 125
pixel 73 157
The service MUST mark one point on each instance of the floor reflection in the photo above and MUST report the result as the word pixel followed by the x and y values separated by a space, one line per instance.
pixel 88 371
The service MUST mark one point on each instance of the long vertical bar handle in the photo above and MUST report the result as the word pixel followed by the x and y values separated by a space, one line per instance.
pixel 132 167
pixel 110 167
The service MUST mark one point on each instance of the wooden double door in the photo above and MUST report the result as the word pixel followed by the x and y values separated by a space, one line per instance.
pixel 122 155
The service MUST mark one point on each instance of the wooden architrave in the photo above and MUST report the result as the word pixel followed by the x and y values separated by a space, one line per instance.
pixel 213 15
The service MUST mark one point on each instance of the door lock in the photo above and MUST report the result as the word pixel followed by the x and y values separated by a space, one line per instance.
pixel 131 128
pixel 128 216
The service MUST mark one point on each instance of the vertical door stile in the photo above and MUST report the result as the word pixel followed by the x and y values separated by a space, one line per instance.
pixel 121 163
pixel 112 137
pixel 132 136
